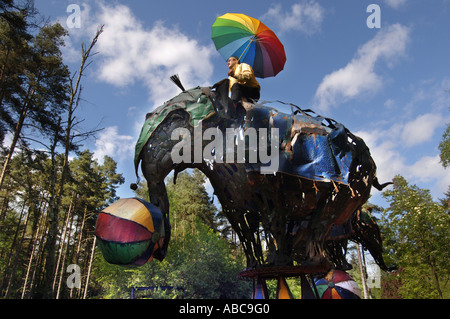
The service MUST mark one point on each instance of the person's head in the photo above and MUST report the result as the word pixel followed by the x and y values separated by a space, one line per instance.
pixel 232 61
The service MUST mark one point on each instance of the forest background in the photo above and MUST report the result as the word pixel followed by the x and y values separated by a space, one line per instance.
pixel 52 188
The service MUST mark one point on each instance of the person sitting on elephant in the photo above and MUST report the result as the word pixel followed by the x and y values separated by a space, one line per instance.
pixel 243 84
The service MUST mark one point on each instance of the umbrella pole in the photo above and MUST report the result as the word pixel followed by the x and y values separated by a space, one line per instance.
pixel 248 45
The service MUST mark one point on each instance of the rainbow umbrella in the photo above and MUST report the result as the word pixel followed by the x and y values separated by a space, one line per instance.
pixel 236 34
pixel 337 284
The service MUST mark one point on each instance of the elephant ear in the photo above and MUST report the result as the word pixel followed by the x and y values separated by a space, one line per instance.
pixel 195 101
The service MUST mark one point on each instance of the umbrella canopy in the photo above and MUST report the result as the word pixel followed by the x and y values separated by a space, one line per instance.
pixel 239 35
pixel 337 284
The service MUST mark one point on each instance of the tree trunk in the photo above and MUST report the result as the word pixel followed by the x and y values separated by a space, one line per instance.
pixel 435 277
pixel 53 212
pixel 362 271
pixel 2 74
pixel 16 258
pixel 5 204
pixel 89 267
pixel 13 247
pixel 33 244
pixel 63 264
pixel 38 267
pixel 17 132
pixel 79 241
pixel 62 248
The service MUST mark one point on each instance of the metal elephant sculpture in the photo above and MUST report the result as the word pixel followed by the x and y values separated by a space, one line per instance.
pixel 291 185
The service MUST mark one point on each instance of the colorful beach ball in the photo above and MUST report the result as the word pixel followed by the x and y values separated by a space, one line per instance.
pixel 337 284
pixel 129 231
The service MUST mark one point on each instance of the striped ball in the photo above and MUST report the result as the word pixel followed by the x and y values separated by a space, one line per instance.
pixel 337 284
pixel 129 231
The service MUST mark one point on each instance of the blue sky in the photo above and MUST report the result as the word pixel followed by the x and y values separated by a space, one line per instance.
pixel 387 85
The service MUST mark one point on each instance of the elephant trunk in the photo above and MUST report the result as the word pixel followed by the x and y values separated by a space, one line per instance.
pixel 158 197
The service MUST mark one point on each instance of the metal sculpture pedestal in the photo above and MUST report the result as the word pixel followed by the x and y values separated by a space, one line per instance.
pixel 260 275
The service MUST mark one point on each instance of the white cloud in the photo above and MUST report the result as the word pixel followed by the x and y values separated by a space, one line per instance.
pixel 389 103
pixel 110 142
pixel 395 3
pixel 429 168
pixel 306 16
pixel 421 129
pixel 390 153
pixel 407 144
pixel 385 153
pixel 359 76
pixel 130 52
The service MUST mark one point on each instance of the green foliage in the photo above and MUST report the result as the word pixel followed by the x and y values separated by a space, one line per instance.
pixel 416 237
pixel 34 80
pixel 444 147
pixel 189 200
pixel 24 213
pixel 200 262
pixel 198 259
pixel 47 203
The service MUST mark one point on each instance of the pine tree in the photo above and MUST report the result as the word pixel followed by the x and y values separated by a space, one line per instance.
pixel 190 201
pixel 42 92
